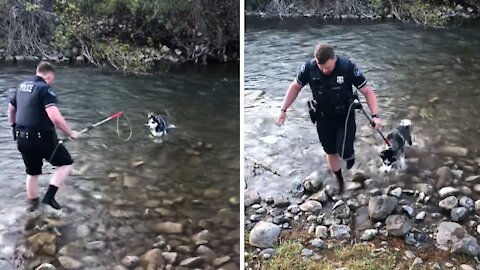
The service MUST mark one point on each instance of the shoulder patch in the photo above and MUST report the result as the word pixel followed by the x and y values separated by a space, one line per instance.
pixel 302 68
pixel 356 71
pixel 50 91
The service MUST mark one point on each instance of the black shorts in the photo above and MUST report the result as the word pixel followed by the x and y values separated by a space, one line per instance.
pixel 331 134
pixel 35 150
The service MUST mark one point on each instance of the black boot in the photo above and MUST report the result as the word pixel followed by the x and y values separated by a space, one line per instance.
pixel 341 183
pixel 50 197
pixel 350 163
pixel 34 203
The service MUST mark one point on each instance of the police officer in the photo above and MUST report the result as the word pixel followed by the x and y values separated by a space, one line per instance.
pixel 331 78
pixel 34 115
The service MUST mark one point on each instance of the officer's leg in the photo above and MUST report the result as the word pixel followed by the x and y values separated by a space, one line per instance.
pixel 327 133
pixel 33 164
pixel 32 186
pixel 61 159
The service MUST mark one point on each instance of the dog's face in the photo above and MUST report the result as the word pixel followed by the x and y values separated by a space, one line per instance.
pixel 394 154
pixel 152 122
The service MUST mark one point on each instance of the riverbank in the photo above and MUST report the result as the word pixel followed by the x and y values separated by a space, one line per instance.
pixel 431 13
pixel 130 36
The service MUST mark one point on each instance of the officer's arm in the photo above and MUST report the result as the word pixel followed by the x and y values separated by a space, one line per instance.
pixel 11 114
pixel 58 120
pixel 292 94
pixel 371 98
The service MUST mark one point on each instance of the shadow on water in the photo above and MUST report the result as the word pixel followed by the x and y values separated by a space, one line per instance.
pixel 427 75
pixel 121 190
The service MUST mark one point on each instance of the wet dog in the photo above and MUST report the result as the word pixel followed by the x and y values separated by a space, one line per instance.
pixel 159 125
pixel 394 155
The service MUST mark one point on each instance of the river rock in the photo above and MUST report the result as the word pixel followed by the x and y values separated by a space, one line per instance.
pixel 251 197
pixel 476 188
pixel 279 200
pixel 448 203
pixel 313 181
pixel 369 234
pixel 448 191
pixel 340 231
pixel 168 228
pixel 398 225
pixel 421 216
pixel 449 233
pixel 396 192
pixel 417 261
pixel 294 209
pixel 95 245
pixel 153 256
pixel 459 214
pixel 454 151
pixel 477 207
pixel 424 187
pixel 467 245
pixel 192 262
pixel 409 211
pixel 445 177
pixel 320 196
pixel 264 235
pixel 221 261
pixel 69 263
pixel 380 207
pixel 473 178
pixel 359 177
pixel 466 267
pixel 311 206
pixel 170 257
pixel 341 212
pixel 42 240
pixel 321 232
pixel 46 266
pixel 318 243
pixel 130 261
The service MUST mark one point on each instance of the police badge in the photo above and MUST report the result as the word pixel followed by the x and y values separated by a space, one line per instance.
pixel 339 79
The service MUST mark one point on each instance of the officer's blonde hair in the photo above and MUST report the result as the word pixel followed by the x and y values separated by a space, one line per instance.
pixel 45 67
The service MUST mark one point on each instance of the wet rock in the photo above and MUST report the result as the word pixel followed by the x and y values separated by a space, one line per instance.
pixel 409 211
pixel 476 188
pixel 130 261
pixel 264 235
pixel 340 231
pixel 361 219
pixel 152 203
pixel 466 267
pixel 168 228
pixel 95 245
pixel 425 188
pixel 46 266
pixel 448 191
pixel 359 177
pixel 448 203
pixel 421 216
pixel 170 257
pixel 477 207
pixel 410 239
pixel 417 261
pixel 206 253
pixel 449 233
pixel 313 182
pixel 478 229
pixel 279 200
pixel 465 190
pixel 473 178
pixel 280 220
pixel 321 232
pixel 229 266
pixel 131 182
pixel 251 197
pixel 307 252
pixel 445 177
pixel 396 192
pixel 410 254
pixel 164 212
pixel 153 256
pixel 294 209
pixel 369 234
pixel 221 261
pixel 203 237
pixel 320 196
pixel 380 207
pixel 212 193
pixel 82 231
pixel 318 243
pixel 459 214
pixel 341 212
pixel 398 225
pixel 467 245
pixel 192 262
pixel 41 240
pixel 311 206
pixel 69 263
pixel 453 151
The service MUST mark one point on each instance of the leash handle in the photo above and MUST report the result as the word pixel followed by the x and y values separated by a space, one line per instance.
pixel 113 116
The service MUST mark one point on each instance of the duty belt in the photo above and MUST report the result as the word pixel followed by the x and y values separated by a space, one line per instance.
pixel 28 134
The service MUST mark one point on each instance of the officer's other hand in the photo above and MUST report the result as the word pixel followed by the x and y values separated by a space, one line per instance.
pixel 74 135
pixel 281 118
pixel 378 122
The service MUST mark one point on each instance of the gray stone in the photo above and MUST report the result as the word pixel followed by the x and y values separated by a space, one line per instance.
pixel 408 210
pixel 466 267
pixel 449 233
pixel 95 245
pixel 83 231
pixel 307 252
pixel 417 261
pixel 170 257
pixel 396 192
pixel 473 178
pixel 264 235
pixel 318 243
pixel 294 209
pixel 476 188
pixel 321 232
pixel 458 214
pixel 454 151
pixel 467 245
pixel 448 203
pixel 425 188
pixel 46 266
pixel 410 254
pixel 251 197
pixel 341 212
pixel 448 191
pixel 267 253
pixel 467 203
pixel 313 182
pixel 279 200
pixel 311 206
pixel 477 207
pixel 478 229
pixel 168 228
pixel 445 177
pixel 320 196
pixel 192 262
pixel 69 263
pixel 221 261
pixel 381 206
pixel 153 256
pixel 398 225
pixel 340 231
pixel 410 239
pixel 369 235
pixel 421 216
pixel 131 261
pixel 206 253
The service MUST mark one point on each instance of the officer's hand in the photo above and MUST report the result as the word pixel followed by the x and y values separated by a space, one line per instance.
pixel 74 135
pixel 281 118
pixel 377 121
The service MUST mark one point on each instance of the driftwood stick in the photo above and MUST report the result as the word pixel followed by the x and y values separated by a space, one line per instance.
pixel 259 164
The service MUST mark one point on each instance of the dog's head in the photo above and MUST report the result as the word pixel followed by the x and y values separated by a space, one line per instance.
pixel 153 121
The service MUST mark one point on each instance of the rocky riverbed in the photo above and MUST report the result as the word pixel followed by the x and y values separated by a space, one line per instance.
pixel 430 209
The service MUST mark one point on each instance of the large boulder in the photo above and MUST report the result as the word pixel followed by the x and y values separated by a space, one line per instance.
pixel 380 207
pixel 264 235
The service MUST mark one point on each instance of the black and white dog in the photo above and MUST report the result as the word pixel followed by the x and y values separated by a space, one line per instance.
pixel 159 125
pixel 394 155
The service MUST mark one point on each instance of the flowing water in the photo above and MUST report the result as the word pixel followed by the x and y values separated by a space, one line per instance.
pixel 121 189
pixel 427 75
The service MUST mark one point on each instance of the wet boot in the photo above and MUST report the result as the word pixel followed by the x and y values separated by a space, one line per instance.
pixel 33 204
pixel 50 197
pixel 341 183
pixel 350 163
